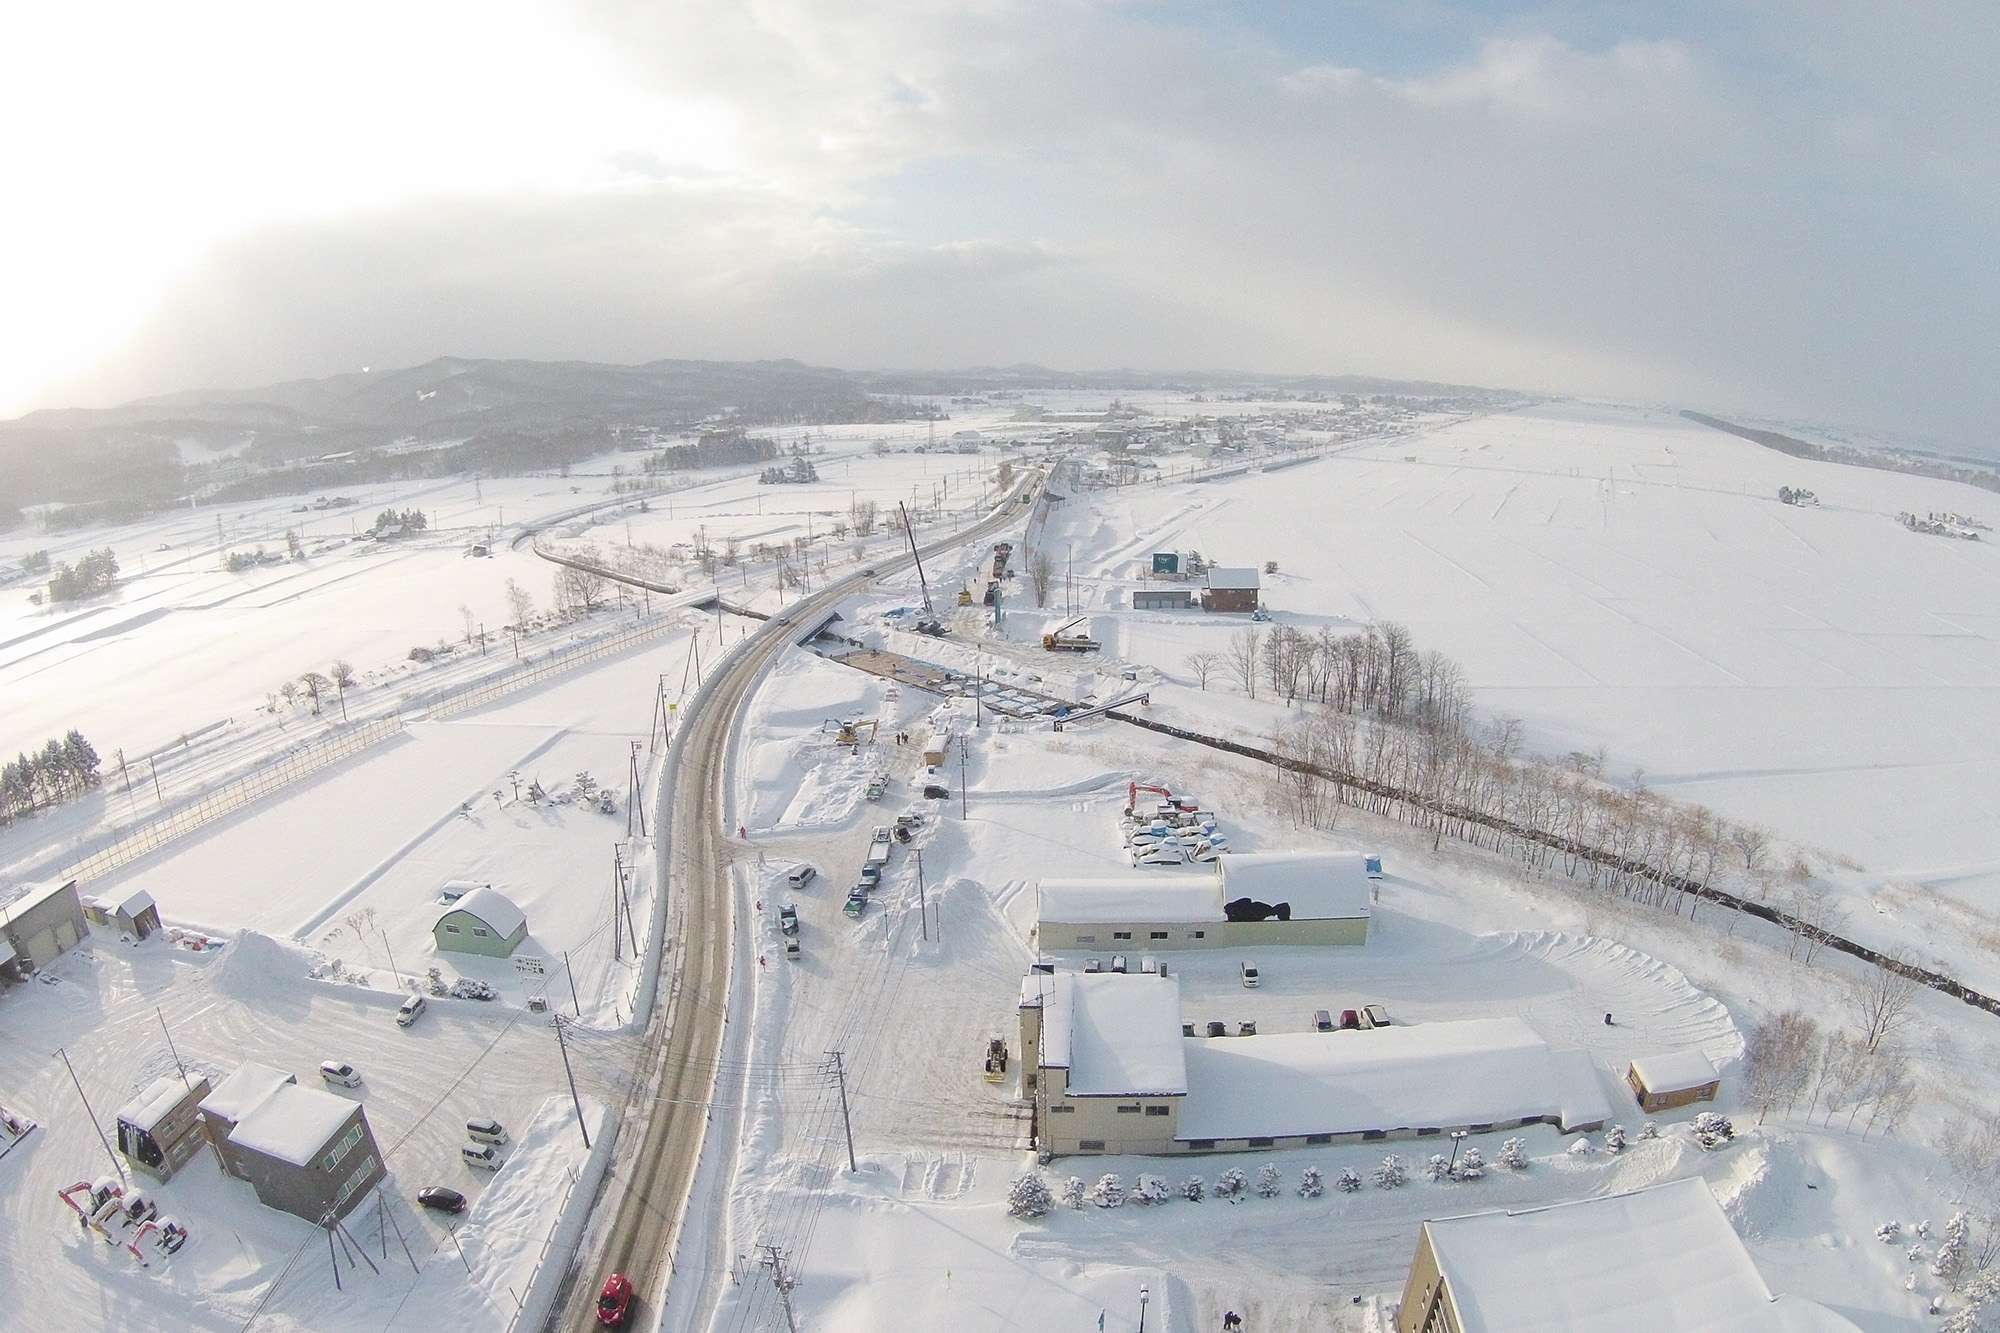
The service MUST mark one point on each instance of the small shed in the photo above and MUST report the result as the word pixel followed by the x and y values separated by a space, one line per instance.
pixel 484 921
pixel 1162 599
pixel 1663 1082
pixel 159 1131
pixel 1231 590
pixel 133 914
pixel 40 926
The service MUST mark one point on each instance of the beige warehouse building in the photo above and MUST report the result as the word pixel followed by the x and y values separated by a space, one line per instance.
pixel 1313 898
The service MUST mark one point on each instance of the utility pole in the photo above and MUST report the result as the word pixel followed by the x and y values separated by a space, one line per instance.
pixel 121 1166
pixel 846 1124
pixel 774 1259
pixel 170 1048
pixel 962 748
pixel 569 1074
pixel 923 911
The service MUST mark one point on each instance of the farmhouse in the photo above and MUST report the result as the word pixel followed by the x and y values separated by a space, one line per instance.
pixel 1657 1260
pixel 1663 1082
pixel 40 926
pixel 483 921
pixel 1230 590
pixel 1243 901
pixel 304 1150
pixel 1109 1066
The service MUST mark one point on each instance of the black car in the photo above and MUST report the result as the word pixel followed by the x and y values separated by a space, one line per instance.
pixel 933 792
pixel 442 1199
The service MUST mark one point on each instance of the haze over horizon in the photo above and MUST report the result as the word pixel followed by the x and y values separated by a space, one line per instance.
pixel 1776 209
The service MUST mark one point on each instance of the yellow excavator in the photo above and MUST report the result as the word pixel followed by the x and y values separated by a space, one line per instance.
pixel 964 595
pixel 850 732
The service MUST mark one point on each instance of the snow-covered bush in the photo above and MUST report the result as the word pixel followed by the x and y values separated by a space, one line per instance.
pixel 1949 1261
pixel 1151 1189
pixel 1390 1174
pixel 1579 1148
pixel 1614 1139
pixel 1311 1186
pixel 1073 1191
pixel 1712 1130
pixel 1888 1232
pixel 1029 1196
pixel 1915 1254
pixel 1438 1168
pixel 1109 1192
pixel 1649 1130
pixel 1514 1154
pixel 1471 1164
pixel 1268 1181
pixel 1349 1181
pixel 1229 1184
pixel 1193 1189
pixel 1924 1228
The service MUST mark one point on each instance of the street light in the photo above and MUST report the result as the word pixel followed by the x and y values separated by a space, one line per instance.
pixel 1457 1137
pixel 1144 1296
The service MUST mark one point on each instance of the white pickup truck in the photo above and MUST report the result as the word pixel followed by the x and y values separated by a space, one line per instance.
pixel 878 845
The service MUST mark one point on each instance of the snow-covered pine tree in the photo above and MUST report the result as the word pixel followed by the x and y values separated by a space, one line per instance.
pixel 1514 1154
pixel 1073 1191
pixel 1391 1173
pixel 1311 1186
pixel 1229 1184
pixel 1649 1130
pixel 1948 1264
pixel 1438 1168
pixel 1149 1189
pixel 1888 1232
pixel 1614 1139
pixel 1193 1189
pixel 1579 1148
pixel 1109 1192
pixel 1029 1196
pixel 1350 1181
pixel 1268 1181
pixel 1712 1130
pixel 1471 1164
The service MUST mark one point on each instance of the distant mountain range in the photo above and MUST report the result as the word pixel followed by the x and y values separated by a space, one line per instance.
pixel 455 414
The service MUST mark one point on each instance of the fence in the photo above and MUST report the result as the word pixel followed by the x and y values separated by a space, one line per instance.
pixel 532 672
pixel 231 797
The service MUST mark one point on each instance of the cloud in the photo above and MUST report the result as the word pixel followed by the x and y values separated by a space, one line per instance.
pixel 1777 208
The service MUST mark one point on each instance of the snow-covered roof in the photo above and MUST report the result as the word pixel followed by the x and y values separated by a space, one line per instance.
pixel 1125 1036
pixel 33 898
pixel 1675 1071
pixel 1318 885
pixel 1118 1034
pixel 1165 897
pixel 292 1124
pixel 493 907
pixel 1231 578
pixel 1657 1260
pixel 150 1107
pixel 130 905
pixel 244 1091
pixel 1424 1075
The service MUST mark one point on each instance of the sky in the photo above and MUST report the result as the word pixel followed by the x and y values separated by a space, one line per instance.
pixel 1782 209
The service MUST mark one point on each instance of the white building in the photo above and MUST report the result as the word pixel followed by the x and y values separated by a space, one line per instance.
pixel 1242 901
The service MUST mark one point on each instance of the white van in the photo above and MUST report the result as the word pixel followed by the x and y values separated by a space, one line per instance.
pixel 482 1155
pixel 412 1007
pixel 488 1130
pixel 801 876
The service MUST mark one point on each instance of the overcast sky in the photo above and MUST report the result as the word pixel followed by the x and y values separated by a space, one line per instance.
pixel 1784 208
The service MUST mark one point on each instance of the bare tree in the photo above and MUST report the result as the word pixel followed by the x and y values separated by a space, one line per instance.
pixel 862 515
pixel 471 621
pixel 1882 997
pixel 579 591
pixel 1777 1060
pixel 1204 664
pixel 1752 843
pixel 315 687
pixel 520 605
pixel 1818 913
pixel 342 676
pixel 1244 658
pixel 1041 575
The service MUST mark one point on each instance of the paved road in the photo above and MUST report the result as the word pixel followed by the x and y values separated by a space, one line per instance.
pixel 660 1143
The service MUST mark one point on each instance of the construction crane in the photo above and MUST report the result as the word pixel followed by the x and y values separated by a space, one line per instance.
pixel 1059 640
pixel 929 624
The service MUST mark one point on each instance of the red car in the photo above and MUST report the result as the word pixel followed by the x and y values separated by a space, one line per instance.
pixel 615 1301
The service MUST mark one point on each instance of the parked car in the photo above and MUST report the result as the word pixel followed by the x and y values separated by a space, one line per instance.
pixel 1247 1028
pixel 1217 1028
pixel 412 1008
pixel 1118 962
pixel 340 1073
pixel 792 953
pixel 443 1199
pixel 488 1130
pixel 788 919
pixel 1377 1015
pixel 614 1301
pixel 1350 1020
pixel 933 792
pixel 910 820
pixel 1093 964
pixel 801 876
pixel 871 875
pixel 1247 970
pixel 484 1156
pixel 1322 1021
